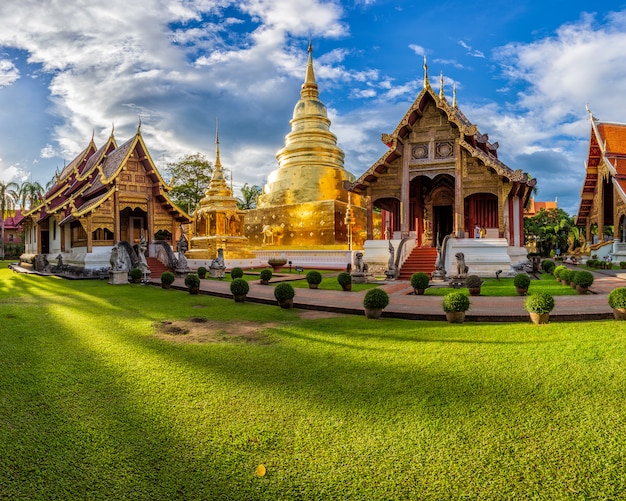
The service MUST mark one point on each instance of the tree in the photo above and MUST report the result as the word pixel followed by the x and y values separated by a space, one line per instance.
pixel 191 176
pixel 8 200
pixel 551 228
pixel 29 193
pixel 250 195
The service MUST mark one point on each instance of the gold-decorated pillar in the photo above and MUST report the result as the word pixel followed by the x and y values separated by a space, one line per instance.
pixel 459 208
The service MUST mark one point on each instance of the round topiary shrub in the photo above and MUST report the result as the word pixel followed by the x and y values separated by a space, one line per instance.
pixel 136 273
pixel 583 278
pixel 622 265
pixel 473 282
pixel 239 287
pixel 617 298
pixel 540 303
pixel 567 275
pixel 344 278
pixel 420 280
pixel 265 275
pixel 314 277
pixel 167 278
pixel 201 271
pixel 455 301
pixel 192 281
pixel 521 281
pixel 284 291
pixel 547 265
pixel 376 298
pixel 558 270
pixel 236 272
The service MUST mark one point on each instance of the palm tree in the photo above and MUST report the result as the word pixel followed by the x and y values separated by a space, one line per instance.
pixel 29 194
pixel 8 199
pixel 250 194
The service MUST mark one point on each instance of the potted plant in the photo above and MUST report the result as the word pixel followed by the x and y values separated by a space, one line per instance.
pixel 345 280
pixel 277 263
pixel 583 280
pixel 236 272
pixel 539 305
pixel 265 276
pixel 521 281
pixel 135 275
pixel 239 289
pixel 473 284
pixel 313 278
pixel 201 271
pixel 557 272
pixel 374 302
pixel 622 265
pixel 420 282
pixel 455 304
pixel 167 279
pixel 192 281
pixel 617 301
pixel 284 294
pixel 566 276
pixel 547 265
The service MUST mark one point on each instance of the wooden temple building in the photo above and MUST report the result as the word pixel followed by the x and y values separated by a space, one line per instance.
pixel 441 177
pixel 103 196
pixel 602 210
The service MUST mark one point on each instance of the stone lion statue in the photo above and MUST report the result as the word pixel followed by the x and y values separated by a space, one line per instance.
pixel 461 267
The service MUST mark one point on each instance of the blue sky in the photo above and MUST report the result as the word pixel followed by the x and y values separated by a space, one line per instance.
pixel 524 72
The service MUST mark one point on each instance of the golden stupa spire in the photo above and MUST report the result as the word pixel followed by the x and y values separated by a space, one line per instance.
pixel 441 93
pixel 426 82
pixel 309 87
pixel 218 163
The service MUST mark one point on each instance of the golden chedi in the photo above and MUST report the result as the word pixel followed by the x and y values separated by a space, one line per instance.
pixel 218 223
pixel 304 203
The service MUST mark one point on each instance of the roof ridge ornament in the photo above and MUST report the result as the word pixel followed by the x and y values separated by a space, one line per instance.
pixel 454 95
pixel 441 91
pixel 591 117
pixel 426 82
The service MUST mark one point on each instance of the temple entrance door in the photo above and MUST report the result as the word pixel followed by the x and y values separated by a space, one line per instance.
pixel 443 222
pixel 135 227
pixel 45 242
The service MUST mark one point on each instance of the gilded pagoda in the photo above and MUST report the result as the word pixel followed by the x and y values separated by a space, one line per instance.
pixel 305 203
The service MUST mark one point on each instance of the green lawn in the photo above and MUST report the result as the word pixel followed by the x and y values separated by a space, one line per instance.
pixel 505 287
pixel 95 404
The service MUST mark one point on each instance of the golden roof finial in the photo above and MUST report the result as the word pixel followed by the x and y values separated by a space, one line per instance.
pixel 454 95
pixel 139 126
pixel 218 163
pixel 309 87
pixel 441 93
pixel 426 82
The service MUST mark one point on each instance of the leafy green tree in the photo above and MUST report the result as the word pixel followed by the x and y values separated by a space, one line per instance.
pixel 551 228
pixel 249 196
pixel 8 200
pixel 190 179
pixel 29 194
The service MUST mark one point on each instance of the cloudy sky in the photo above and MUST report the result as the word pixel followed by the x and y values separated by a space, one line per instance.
pixel 524 72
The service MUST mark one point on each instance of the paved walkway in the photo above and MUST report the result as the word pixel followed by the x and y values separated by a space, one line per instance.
pixel 403 304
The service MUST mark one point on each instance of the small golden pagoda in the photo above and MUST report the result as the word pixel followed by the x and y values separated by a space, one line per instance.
pixel 305 203
pixel 218 223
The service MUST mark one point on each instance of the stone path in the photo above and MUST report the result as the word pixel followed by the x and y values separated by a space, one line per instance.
pixel 403 304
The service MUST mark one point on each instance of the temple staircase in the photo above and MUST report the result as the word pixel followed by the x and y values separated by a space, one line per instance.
pixel 156 267
pixel 421 259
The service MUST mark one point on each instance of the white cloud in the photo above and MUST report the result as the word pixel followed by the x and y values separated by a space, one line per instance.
pixel 48 151
pixel 8 73
pixel 471 51
pixel 418 49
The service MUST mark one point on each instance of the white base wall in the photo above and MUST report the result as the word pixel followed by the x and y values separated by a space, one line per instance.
pixel 484 256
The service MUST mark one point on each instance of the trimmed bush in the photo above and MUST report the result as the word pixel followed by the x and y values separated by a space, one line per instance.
pixel 236 272
pixel 558 270
pixel 547 265
pixel 192 280
pixel 583 278
pixel 344 278
pixel 521 281
pixel 201 271
pixel 622 265
pixel 376 298
pixel 239 287
pixel 617 298
pixel 135 273
pixel 167 278
pixel 540 302
pixel 265 275
pixel 314 277
pixel 567 275
pixel 420 280
pixel 284 291
pixel 455 301
pixel 473 282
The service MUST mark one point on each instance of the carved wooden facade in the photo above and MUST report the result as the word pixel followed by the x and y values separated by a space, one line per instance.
pixel 441 176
